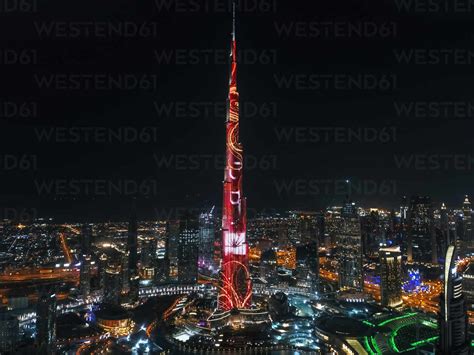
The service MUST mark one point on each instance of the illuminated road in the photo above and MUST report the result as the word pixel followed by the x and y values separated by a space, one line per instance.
pixel 32 275
pixel 64 246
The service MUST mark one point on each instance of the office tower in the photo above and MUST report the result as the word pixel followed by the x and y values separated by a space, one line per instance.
pixel 132 241
pixel 349 250
pixel 9 332
pixel 372 233
pixel 148 259
pixel 468 283
pixel 235 289
pixel 390 259
pixel 206 243
pixel 85 259
pixel 453 320
pixel 307 229
pixel 123 260
pixel 403 229
pixel 103 262
pixel 282 235
pixel 313 263
pixel 171 258
pixel 467 223
pixel 46 322
pixel 188 250
pixel 307 266
pixel 161 269
pixel 85 275
pixel 404 210
pixel 148 251
pixel 86 239
pixel 332 226
pixel 112 283
pixel 444 230
pixel 421 240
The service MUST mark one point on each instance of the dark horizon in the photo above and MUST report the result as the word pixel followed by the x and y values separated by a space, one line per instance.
pixel 372 93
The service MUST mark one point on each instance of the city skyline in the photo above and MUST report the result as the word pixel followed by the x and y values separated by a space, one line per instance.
pixel 119 235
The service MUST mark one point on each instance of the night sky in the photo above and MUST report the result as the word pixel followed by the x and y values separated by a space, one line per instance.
pixel 321 102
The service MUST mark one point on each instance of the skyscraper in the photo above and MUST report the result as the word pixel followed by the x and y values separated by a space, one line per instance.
pixel 372 233
pixel 86 236
pixel 349 249
pixel 188 250
pixel 171 255
pixel 46 323
pixel 85 275
pixel 421 239
pixel 403 231
pixel 467 223
pixel 103 260
pixel 132 256
pixel 306 227
pixel 390 276
pixel 206 243
pixel 85 258
pixel 112 283
pixel 235 289
pixel 148 259
pixel 453 321
pixel 444 229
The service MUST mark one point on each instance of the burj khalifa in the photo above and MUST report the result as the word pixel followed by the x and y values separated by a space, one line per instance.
pixel 235 289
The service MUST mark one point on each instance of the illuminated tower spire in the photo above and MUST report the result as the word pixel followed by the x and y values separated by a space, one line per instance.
pixel 235 289
pixel 233 21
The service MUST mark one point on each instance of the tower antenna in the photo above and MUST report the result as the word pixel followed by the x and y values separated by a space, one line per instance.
pixel 233 20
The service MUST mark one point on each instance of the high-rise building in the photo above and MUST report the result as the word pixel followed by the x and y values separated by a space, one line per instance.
pixel 332 226
pixel 372 233
pixel 46 323
pixel 103 262
pixel 306 228
pixel 148 251
pixel 390 259
pixel 468 283
pixel 9 332
pixel 307 266
pixel 85 275
pixel 444 229
pixel 86 239
pixel 453 320
pixel 349 249
pixel 112 283
pixel 467 223
pixel 403 228
pixel 171 256
pixel 235 289
pixel 188 250
pixel 148 259
pixel 206 243
pixel 421 238
pixel 132 241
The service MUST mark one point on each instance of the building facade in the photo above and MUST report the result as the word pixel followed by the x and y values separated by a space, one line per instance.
pixel 46 323
pixel 453 321
pixel 349 250
pixel 390 259
pixel 421 239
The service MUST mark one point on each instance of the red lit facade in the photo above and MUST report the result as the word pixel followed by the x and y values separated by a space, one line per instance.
pixel 235 289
